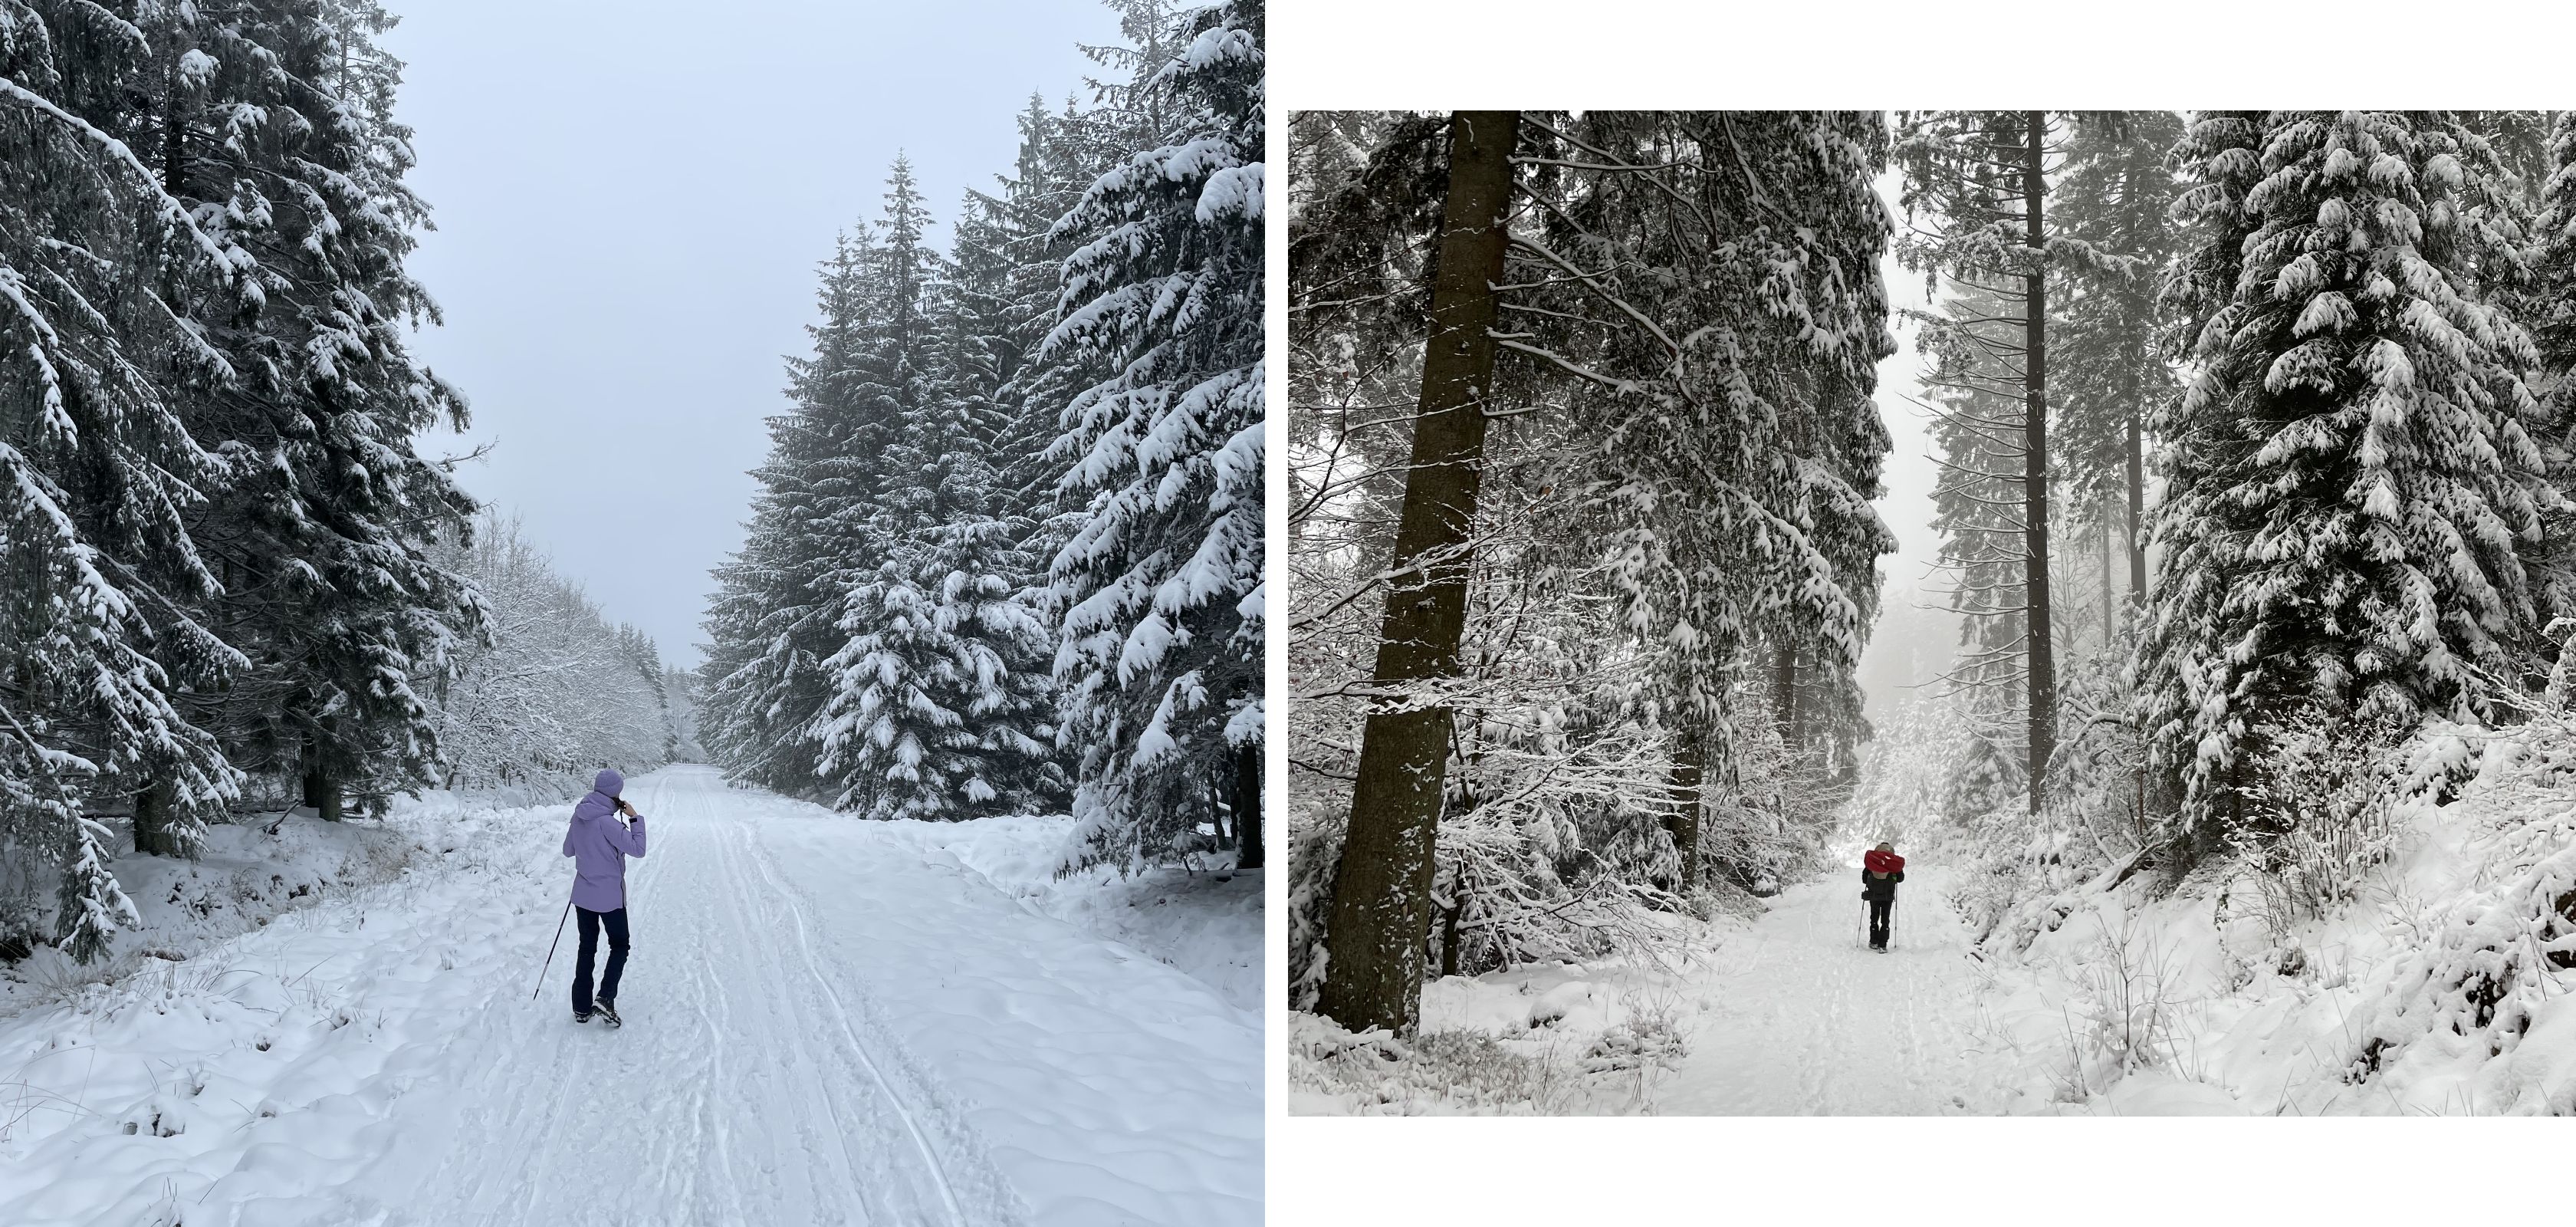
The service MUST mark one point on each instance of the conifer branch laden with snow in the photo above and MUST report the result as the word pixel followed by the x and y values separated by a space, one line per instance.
pixel 1007 554
pixel 2352 477
pixel 214 530
pixel 1672 484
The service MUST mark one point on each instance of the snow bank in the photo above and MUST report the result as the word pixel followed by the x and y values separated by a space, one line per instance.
pixel 257 1064
pixel 247 875
pixel 1205 921
pixel 2442 987
pixel 1540 1038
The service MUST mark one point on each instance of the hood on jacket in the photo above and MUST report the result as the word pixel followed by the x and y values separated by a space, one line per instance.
pixel 601 800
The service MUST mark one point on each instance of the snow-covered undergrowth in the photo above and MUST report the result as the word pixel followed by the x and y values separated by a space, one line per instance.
pixel 2439 985
pixel 1539 1038
pixel 1202 918
pixel 247 874
pixel 246 1011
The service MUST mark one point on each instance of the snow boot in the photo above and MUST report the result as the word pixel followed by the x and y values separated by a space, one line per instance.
pixel 608 1014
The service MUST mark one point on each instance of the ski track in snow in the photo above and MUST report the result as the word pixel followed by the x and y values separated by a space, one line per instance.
pixel 1800 1017
pixel 822 1026
pixel 733 1094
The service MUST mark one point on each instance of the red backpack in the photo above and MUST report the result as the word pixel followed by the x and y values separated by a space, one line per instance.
pixel 1883 862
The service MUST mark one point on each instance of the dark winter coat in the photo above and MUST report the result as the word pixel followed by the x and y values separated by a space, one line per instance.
pixel 599 845
pixel 1879 887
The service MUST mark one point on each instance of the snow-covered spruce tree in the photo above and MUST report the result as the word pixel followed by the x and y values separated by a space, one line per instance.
pixel 2547 305
pixel 1971 377
pixel 2553 266
pixel 988 554
pixel 1979 181
pixel 276 131
pixel 102 278
pixel 2114 204
pixel 878 722
pixel 1159 666
pixel 637 652
pixel 941 696
pixel 1367 193
pixel 774 618
pixel 1059 157
pixel 2350 475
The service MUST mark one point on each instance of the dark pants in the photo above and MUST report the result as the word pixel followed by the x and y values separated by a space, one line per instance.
pixel 1878 909
pixel 590 925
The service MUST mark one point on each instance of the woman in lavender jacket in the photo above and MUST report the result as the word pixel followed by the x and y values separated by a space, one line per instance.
pixel 599 844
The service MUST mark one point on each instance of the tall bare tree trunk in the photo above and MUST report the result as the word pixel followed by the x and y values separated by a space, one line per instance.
pixel 1690 769
pixel 1381 914
pixel 2137 505
pixel 320 790
pixel 2039 632
pixel 1784 694
pixel 2108 629
pixel 1247 806
pixel 152 834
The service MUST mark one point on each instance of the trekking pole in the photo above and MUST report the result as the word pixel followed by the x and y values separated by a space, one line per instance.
pixel 550 950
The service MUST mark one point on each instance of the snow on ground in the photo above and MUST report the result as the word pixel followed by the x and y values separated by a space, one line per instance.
pixel 2439 982
pixel 1798 1016
pixel 824 1025
pixel 2440 987
pixel 1203 919
pixel 247 875
pixel 1791 1014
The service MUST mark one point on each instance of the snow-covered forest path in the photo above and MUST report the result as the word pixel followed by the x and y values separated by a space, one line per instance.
pixel 826 1022
pixel 1800 1017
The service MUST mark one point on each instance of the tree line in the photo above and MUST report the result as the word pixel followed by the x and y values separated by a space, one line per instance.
pixel 1006 554
pixel 2244 421
pixel 552 689
pixel 216 533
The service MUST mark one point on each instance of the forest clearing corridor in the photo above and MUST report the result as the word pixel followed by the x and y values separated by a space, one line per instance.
pixel 1800 1018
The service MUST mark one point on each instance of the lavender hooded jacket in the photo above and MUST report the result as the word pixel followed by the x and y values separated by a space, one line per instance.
pixel 599 845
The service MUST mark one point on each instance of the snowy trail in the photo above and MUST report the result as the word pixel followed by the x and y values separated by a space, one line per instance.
pixel 1800 1018
pixel 727 1097
pixel 827 1021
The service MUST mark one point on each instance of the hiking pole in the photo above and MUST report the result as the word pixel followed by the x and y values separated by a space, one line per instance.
pixel 550 950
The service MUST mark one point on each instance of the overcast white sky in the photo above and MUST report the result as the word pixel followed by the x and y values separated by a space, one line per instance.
pixel 630 200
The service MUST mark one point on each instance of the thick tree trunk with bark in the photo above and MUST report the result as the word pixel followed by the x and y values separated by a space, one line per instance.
pixel 1247 807
pixel 322 793
pixel 152 834
pixel 2137 504
pixel 2039 627
pixel 1381 913
pixel 320 790
pixel 1784 694
pixel 1690 770
pixel 2108 626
